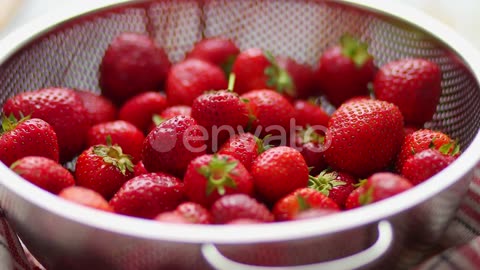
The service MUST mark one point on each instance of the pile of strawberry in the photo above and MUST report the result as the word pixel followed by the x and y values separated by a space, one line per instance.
pixel 228 136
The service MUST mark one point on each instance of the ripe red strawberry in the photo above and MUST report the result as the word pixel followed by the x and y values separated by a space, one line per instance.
pixel 365 136
pixel 421 140
pixel 191 78
pixel 194 213
pixel 148 195
pixel 221 113
pixel 336 185
pixel 308 113
pixel 140 109
pixel 269 109
pixel 302 76
pixel 344 71
pixel 209 177
pixel 99 108
pixel 178 110
pixel 239 206
pixel 85 197
pixel 139 169
pixel 311 145
pixel 255 69
pixel 60 107
pixel 301 200
pixel 245 147
pixel 27 137
pixel 377 187
pixel 120 132
pixel 278 172
pixel 172 145
pixel 427 163
pixel 414 85
pixel 104 169
pixel 44 173
pixel 132 64
pixel 216 50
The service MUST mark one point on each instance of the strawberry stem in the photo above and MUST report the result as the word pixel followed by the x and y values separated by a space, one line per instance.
pixel 10 123
pixel 114 155
pixel 231 82
pixel 302 203
pixel 355 50
pixel 227 65
pixel 217 173
pixel 325 181
pixel 157 119
pixel 308 135
pixel 278 77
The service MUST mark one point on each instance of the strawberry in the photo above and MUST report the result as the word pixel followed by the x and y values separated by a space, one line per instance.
pixel 336 185
pixel 365 136
pixel 308 113
pixel 421 140
pixel 239 206
pixel 209 177
pixel 171 217
pixel 168 113
pixel 302 76
pixel 221 113
pixel 27 137
pixel 301 200
pixel 85 197
pixel 349 60
pixel 44 173
pixel 104 169
pixel 245 147
pixel 314 213
pixel 255 69
pixel 148 195
pixel 119 132
pixel 60 107
pixel 190 78
pixel 278 172
pixel 414 85
pixel 409 130
pixel 172 145
pixel 187 212
pixel 99 108
pixel 140 109
pixel 311 145
pixel 269 110
pixel 377 187
pixel 216 50
pixel 132 64
pixel 139 169
pixel 427 163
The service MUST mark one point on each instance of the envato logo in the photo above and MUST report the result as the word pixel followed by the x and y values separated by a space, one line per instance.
pixel 198 139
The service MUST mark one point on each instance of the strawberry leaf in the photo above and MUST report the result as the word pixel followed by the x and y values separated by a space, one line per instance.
pixel 355 50
pixel 278 77
pixel 157 119
pixel 228 64
pixel 218 174
pixel 114 155
pixel 366 197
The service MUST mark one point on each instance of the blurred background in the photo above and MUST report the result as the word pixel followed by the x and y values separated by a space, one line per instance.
pixel 461 15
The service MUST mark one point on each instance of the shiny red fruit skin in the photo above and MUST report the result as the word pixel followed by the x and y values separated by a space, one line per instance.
pixel 339 194
pixel 425 164
pixel 364 137
pixel 216 50
pixel 302 76
pixel 177 110
pixel 85 197
pixel 148 195
pixel 249 69
pixel 242 147
pixel 191 78
pixel 307 113
pixel 139 169
pixel 239 206
pixel 33 137
pixel 312 152
pixel 99 108
pixel 140 109
pixel 353 199
pixel 414 85
pixel 194 213
pixel 132 64
pixel 334 68
pixel 62 108
pixel 278 172
pixel 44 173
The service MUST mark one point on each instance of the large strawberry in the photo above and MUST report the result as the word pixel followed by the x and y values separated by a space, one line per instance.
pixel 85 197
pixel 302 76
pixel 311 144
pixel 140 109
pixel 44 173
pixel 120 132
pixel 168 113
pixel 336 185
pixel 104 169
pixel 309 113
pixel 278 172
pixel 414 85
pixel 239 206
pixel 345 70
pixel 148 195
pixel 245 147
pixel 99 108
pixel 364 136
pixel 132 64
pixel 191 78
pixel 209 177
pixel 27 137
pixel 222 113
pixel 172 145
pixel 301 200
pixel 60 107
pixel 216 50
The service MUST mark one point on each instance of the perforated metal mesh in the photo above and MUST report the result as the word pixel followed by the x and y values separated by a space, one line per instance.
pixel 70 54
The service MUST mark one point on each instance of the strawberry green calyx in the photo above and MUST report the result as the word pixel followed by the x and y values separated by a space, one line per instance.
pixel 302 203
pixel 451 149
pixel 261 146
pixel 325 181
pixel 10 123
pixel 355 50
pixel 157 119
pixel 113 154
pixel 227 65
pixel 367 197
pixel 217 173
pixel 308 135
pixel 278 77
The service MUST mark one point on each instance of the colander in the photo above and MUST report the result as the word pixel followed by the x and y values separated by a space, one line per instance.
pixel 65 49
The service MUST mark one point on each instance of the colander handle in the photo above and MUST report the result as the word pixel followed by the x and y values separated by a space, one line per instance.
pixel 384 240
